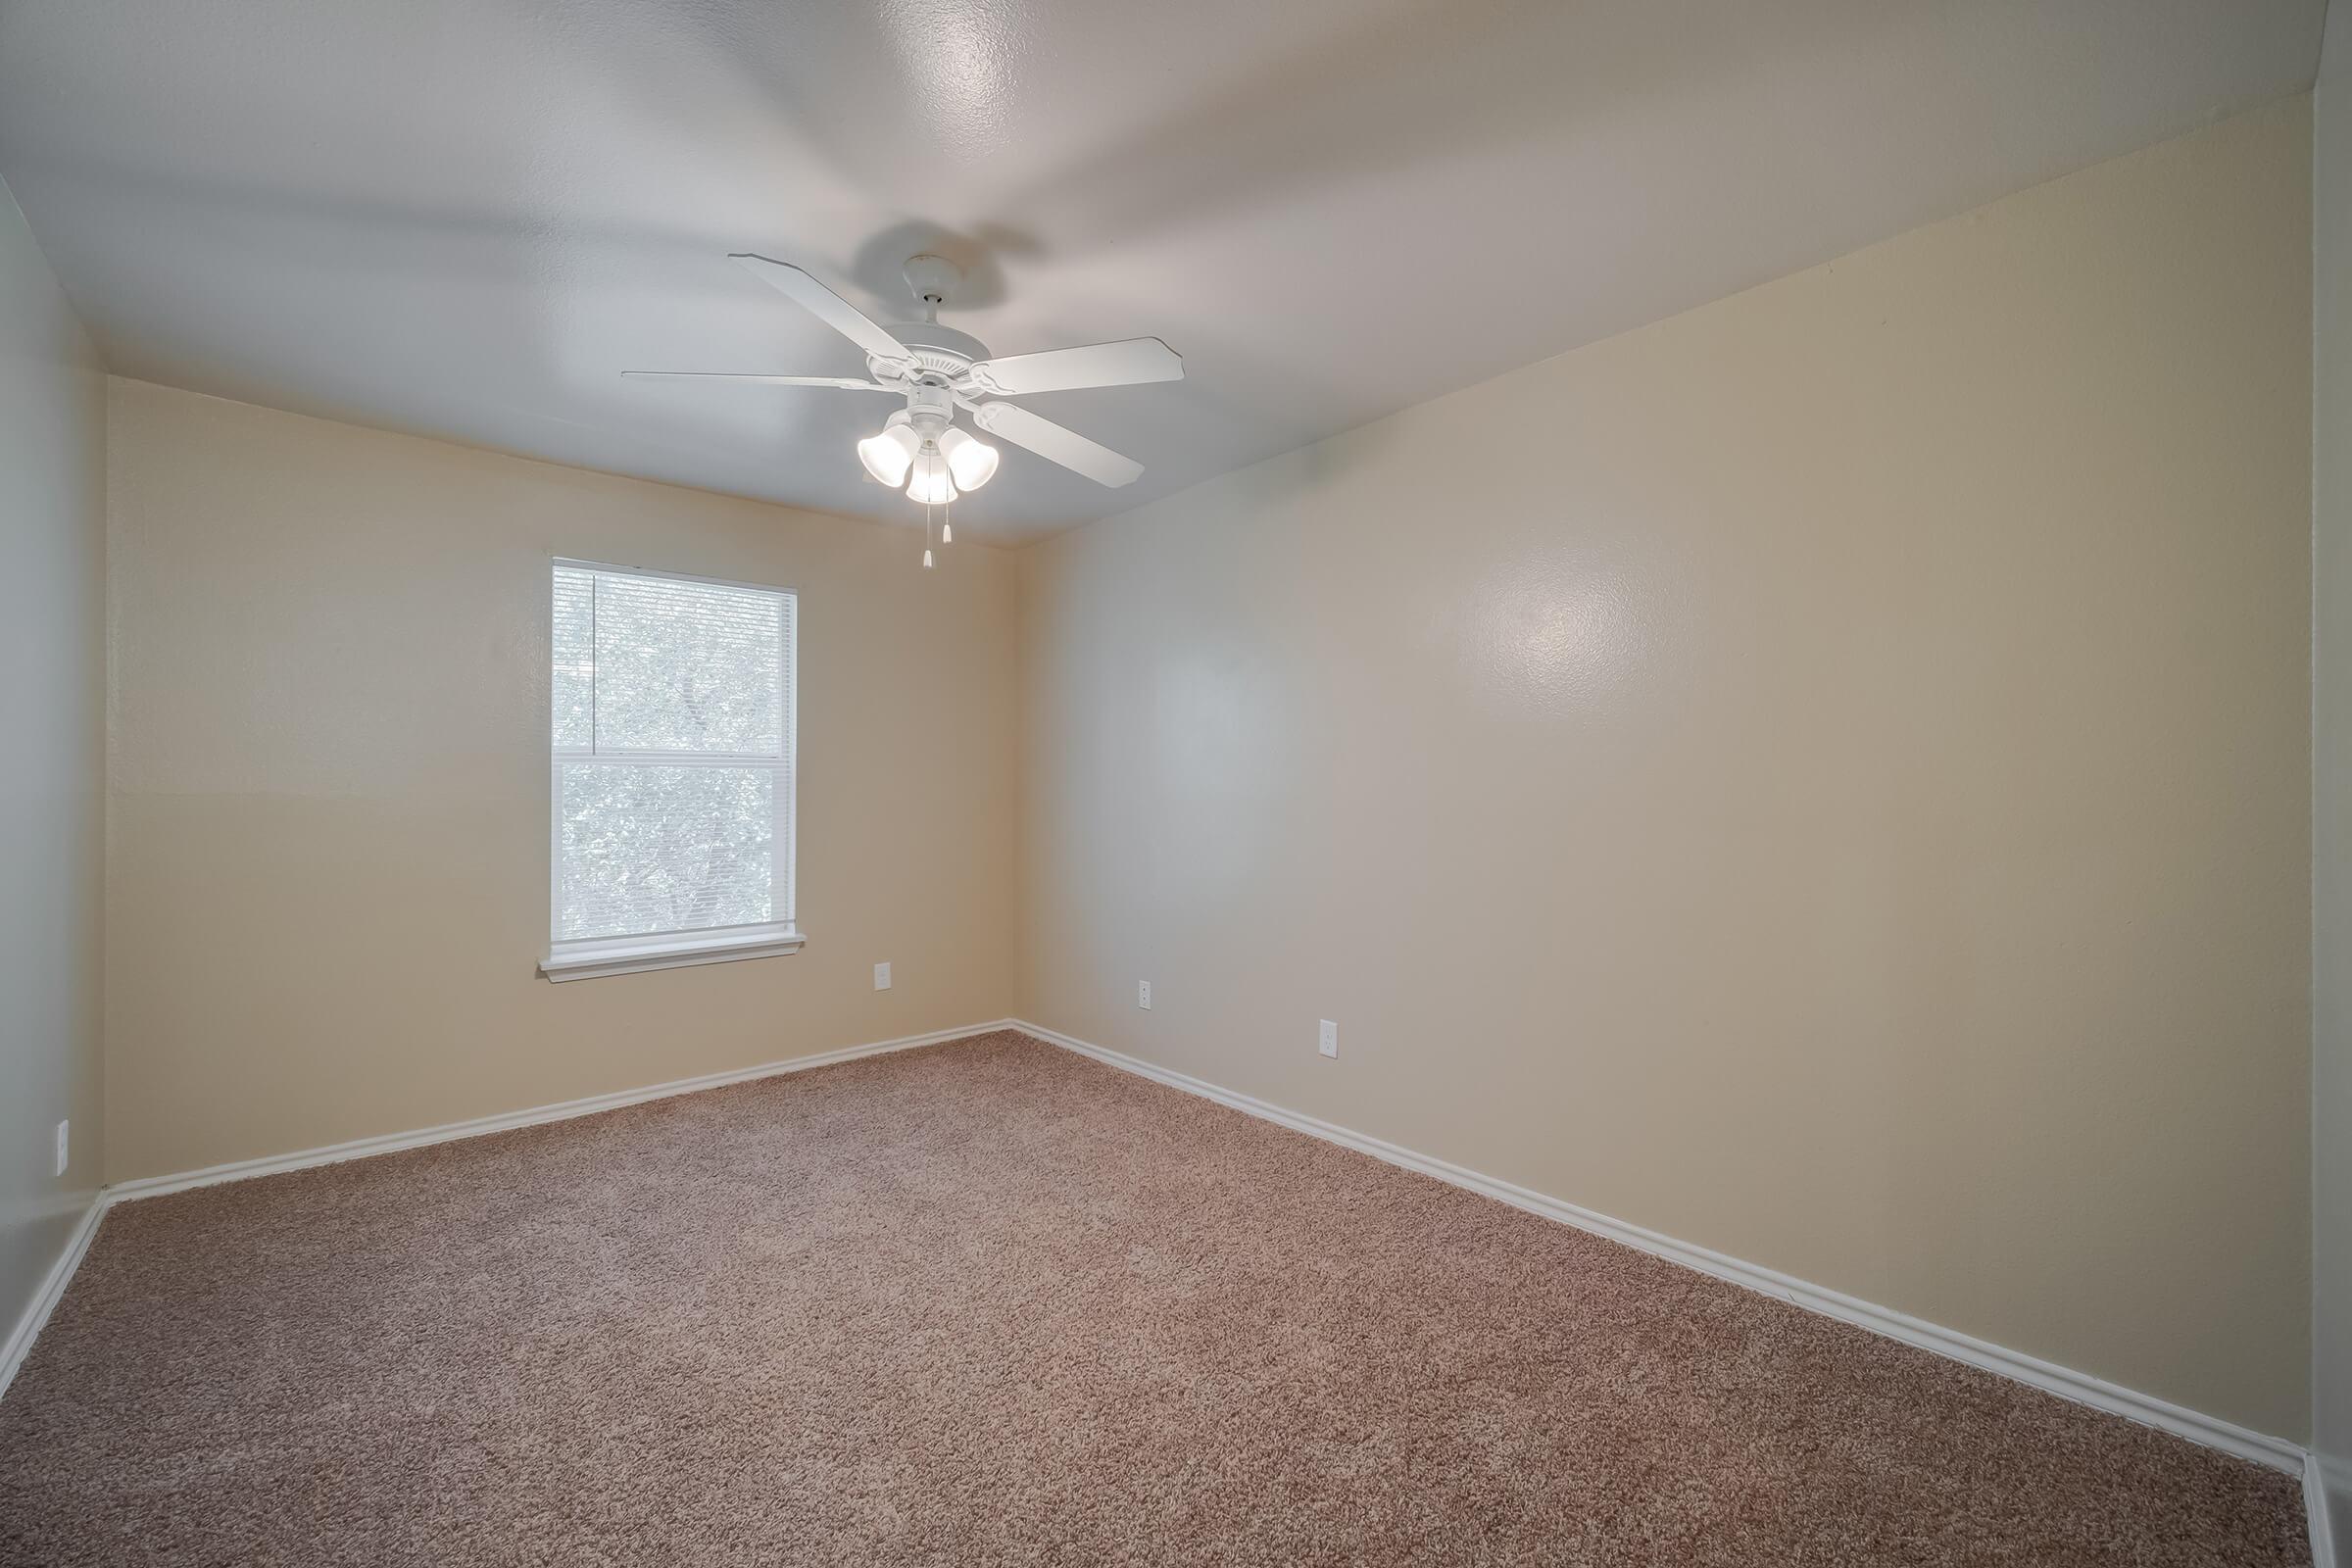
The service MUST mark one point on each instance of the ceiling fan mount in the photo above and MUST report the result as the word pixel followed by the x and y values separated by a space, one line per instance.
pixel 933 279
pixel 939 369
pixel 943 356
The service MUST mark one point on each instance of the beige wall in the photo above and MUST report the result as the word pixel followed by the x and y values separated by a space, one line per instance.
pixel 52 759
pixel 1824 776
pixel 328 846
pixel 2332 780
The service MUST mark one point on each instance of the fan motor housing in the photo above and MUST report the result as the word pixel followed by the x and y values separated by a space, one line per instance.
pixel 930 408
pixel 938 351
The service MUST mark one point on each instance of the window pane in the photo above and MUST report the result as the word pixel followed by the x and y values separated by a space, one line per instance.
pixel 688 666
pixel 664 849
pixel 574 656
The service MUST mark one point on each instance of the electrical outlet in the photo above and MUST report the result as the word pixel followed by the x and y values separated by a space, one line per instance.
pixel 63 1128
pixel 1142 994
pixel 881 977
pixel 1328 1041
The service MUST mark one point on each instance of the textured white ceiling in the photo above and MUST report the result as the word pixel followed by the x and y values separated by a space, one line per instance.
pixel 464 217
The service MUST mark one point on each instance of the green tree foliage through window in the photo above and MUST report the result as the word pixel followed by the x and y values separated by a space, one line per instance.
pixel 672 725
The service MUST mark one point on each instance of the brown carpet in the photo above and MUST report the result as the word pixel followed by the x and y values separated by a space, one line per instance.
pixel 991 1303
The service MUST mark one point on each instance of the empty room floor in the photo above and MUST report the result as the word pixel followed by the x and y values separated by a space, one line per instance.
pixel 991 1301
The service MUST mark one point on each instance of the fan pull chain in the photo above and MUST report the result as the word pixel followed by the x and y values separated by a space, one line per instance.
pixel 926 537
pixel 947 526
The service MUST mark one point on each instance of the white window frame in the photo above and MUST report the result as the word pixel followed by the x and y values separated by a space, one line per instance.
pixel 588 958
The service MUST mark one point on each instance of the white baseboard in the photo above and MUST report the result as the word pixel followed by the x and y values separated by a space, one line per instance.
pixel 2276 1453
pixel 360 1148
pixel 53 1285
pixel 2315 1508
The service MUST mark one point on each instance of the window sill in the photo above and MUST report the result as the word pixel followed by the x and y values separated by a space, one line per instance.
pixel 590 961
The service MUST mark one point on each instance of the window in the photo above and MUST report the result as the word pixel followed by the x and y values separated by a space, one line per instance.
pixel 671 776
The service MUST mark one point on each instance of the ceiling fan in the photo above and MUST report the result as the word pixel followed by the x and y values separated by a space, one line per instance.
pixel 938 369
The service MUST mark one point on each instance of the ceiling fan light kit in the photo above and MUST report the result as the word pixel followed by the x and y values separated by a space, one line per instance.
pixel 938 370
pixel 971 461
pixel 888 456
pixel 930 482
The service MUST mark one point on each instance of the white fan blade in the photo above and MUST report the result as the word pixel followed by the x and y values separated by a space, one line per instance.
pixel 824 304
pixel 1130 363
pixel 1049 440
pixel 846 383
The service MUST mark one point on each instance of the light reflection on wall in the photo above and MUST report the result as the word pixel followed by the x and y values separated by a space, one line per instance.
pixel 1552 633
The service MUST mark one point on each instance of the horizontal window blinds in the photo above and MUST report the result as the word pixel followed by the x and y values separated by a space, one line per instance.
pixel 672 731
